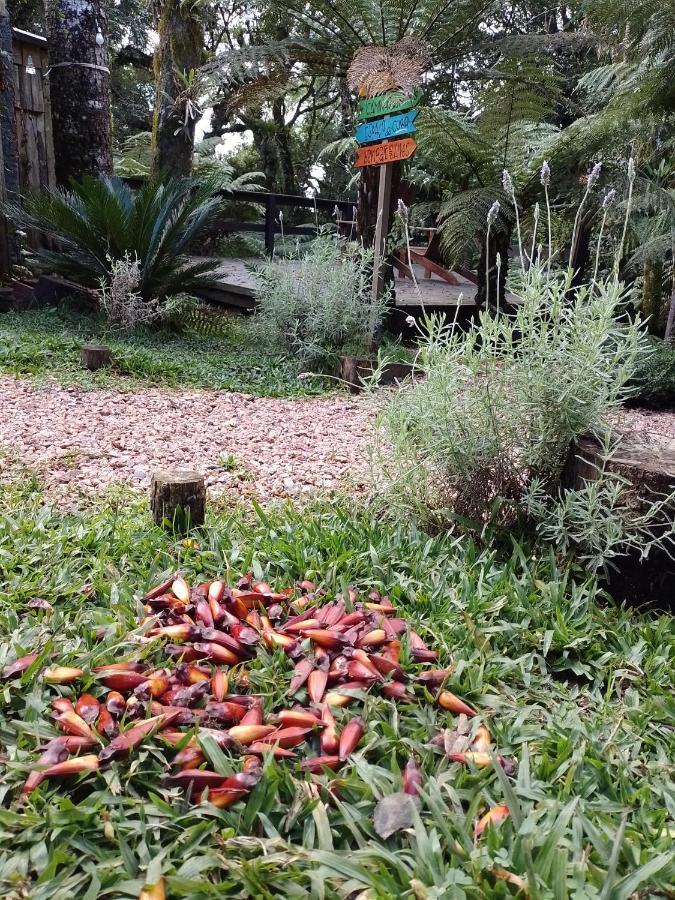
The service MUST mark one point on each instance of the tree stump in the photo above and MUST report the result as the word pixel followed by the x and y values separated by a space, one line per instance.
pixel 354 369
pixel 178 497
pixel 94 356
pixel 647 462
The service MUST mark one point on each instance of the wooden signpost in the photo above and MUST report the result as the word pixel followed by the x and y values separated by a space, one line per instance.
pixel 380 125
pixel 386 129
pixel 381 154
pixel 386 104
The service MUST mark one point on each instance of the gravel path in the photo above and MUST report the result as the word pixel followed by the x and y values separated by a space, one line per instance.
pixel 81 441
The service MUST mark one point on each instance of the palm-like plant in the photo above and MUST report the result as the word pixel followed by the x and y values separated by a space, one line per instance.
pixel 99 221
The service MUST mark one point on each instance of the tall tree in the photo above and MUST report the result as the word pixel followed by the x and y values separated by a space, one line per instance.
pixel 9 177
pixel 177 58
pixel 79 87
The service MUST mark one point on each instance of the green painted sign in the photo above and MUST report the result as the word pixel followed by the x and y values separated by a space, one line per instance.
pixel 392 102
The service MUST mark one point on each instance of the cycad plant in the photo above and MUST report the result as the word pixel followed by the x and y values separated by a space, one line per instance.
pixel 100 221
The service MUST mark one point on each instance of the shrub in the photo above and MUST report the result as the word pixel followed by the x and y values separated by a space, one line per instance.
pixel 100 221
pixel 654 379
pixel 120 301
pixel 603 519
pixel 500 404
pixel 321 305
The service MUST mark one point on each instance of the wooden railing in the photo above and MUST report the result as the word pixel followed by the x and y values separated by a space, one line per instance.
pixel 274 203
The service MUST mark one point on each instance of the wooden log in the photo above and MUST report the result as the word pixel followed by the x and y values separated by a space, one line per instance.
pixel 178 499
pixel 95 356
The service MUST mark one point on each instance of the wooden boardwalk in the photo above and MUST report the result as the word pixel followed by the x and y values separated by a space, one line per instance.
pixel 238 287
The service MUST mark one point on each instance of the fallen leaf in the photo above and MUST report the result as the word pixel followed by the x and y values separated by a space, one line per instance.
pixel 393 813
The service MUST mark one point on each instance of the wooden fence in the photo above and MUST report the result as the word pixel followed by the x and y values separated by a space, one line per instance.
pixel 275 203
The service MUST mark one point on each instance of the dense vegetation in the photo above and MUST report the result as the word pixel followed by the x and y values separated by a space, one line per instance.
pixel 571 686
pixel 545 165
pixel 507 85
pixel 219 355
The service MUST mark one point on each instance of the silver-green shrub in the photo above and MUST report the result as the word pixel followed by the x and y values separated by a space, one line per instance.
pixel 602 519
pixel 485 433
pixel 320 305
pixel 499 405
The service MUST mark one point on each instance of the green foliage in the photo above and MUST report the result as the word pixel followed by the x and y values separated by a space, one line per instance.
pixel 220 354
pixel 603 519
pixel 320 304
pixel 571 685
pixel 99 220
pixel 654 378
pixel 501 403
pixel 134 158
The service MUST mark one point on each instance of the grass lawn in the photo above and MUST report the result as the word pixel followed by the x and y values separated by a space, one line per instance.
pixel 572 687
pixel 47 343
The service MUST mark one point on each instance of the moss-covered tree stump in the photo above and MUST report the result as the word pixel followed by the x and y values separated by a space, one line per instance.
pixel 178 499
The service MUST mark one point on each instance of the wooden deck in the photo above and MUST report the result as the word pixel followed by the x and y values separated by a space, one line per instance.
pixel 238 287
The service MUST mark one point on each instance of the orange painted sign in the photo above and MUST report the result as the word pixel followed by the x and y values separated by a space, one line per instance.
pixel 380 154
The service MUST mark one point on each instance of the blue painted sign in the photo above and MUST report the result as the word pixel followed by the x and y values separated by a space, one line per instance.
pixel 383 129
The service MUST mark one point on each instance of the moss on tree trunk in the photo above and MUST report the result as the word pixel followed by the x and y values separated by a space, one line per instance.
pixel 178 55
pixel 79 81
pixel 652 294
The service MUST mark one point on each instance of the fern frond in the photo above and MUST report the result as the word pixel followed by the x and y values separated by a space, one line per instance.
pixel 462 221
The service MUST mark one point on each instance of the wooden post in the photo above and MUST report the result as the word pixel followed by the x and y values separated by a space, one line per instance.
pixel 381 229
pixel 270 223
pixel 178 499
pixel 94 356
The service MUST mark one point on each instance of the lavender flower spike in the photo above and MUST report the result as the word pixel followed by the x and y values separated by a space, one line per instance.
pixel 608 199
pixel 507 182
pixel 493 212
pixel 594 174
pixel 545 173
pixel 402 210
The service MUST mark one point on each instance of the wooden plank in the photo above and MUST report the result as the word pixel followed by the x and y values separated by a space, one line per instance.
pixel 32 161
pixel 383 154
pixel 47 126
pixel 385 129
pixel 433 268
pixel 35 80
pixel 5 255
pixel 391 102
pixel 381 230
pixel 323 203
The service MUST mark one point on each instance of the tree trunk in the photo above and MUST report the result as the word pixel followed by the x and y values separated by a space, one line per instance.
pixel 345 110
pixel 80 87
pixel 177 58
pixel 289 182
pixel 9 171
pixel 669 335
pixel 582 250
pixel 491 290
pixel 7 113
pixel 651 305
pixel 263 141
